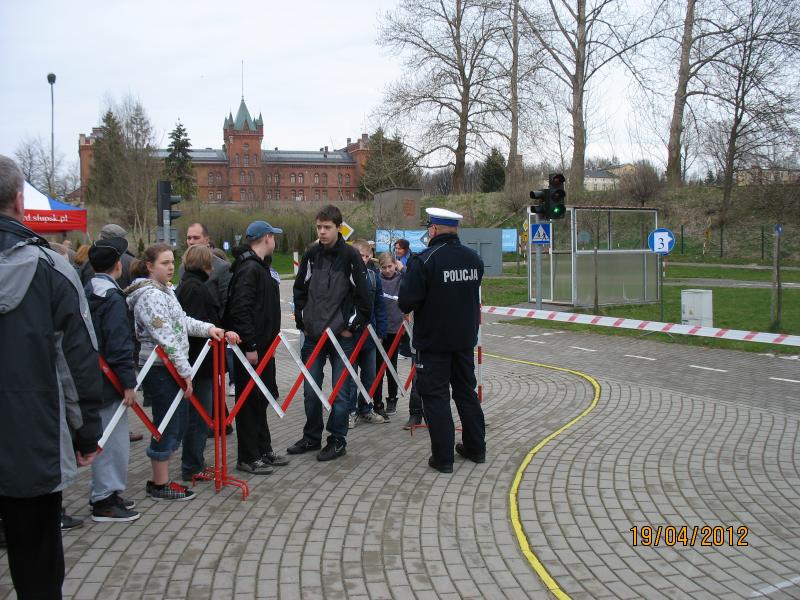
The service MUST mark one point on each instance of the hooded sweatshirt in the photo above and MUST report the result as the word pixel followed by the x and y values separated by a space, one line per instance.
pixel 160 320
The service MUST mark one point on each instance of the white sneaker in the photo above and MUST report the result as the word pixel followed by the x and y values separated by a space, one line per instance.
pixel 352 420
pixel 371 417
pixel 231 389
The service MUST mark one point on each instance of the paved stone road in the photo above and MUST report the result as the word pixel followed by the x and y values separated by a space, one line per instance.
pixel 667 444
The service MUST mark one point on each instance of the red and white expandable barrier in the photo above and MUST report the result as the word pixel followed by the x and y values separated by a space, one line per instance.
pixel 656 326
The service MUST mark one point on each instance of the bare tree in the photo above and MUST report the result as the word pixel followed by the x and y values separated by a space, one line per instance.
pixel 33 157
pixel 449 49
pixel 749 88
pixel 642 184
pixel 582 38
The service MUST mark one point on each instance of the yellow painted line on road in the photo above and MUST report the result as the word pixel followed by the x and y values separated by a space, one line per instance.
pixel 513 495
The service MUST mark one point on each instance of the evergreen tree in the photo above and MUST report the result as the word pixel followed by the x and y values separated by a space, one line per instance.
pixel 105 181
pixel 389 165
pixel 493 174
pixel 178 168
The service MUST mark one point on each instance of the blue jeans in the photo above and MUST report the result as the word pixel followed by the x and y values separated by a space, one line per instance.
pixel 337 419
pixel 160 388
pixel 196 434
pixel 366 371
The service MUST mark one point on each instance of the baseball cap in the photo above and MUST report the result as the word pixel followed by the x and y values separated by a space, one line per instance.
pixel 105 253
pixel 258 229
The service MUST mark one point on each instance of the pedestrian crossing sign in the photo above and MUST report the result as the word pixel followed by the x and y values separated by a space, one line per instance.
pixel 541 233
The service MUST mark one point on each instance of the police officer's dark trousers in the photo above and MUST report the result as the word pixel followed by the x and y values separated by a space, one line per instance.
pixel 436 374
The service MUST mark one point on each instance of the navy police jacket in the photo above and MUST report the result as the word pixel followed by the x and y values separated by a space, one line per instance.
pixel 441 287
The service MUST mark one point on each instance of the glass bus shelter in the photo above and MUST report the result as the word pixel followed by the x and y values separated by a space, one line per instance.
pixel 627 272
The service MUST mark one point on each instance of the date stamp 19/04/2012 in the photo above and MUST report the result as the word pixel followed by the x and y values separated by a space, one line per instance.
pixel 689 535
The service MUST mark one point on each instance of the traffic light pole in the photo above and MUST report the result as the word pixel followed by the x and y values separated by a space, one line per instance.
pixel 538 266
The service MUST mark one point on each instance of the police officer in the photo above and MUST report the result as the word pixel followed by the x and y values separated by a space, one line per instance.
pixel 441 288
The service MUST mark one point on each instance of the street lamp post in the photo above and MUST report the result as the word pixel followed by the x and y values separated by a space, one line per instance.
pixel 51 79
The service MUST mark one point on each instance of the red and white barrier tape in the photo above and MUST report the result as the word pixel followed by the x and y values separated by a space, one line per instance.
pixel 620 323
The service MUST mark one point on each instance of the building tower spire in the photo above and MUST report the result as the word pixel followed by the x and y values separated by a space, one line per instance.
pixel 242 79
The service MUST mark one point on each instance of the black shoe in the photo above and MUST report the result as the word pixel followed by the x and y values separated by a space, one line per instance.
pixel 276 460
pixel 331 451
pixel 68 522
pixel 476 458
pixel 111 509
pixel 441 468
pixel 256 467
pixel 302 446
pixel 413 421
pixel 129 504
pixel 391 406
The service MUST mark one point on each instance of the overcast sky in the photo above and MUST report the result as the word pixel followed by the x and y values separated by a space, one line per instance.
pixel 311 67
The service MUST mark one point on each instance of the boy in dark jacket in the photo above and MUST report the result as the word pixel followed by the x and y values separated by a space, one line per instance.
pixel 330 291
pixel 361 409
pixel 253 311
pixel 115 344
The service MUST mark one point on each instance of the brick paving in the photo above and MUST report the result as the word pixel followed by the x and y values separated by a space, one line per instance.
pixel 662 447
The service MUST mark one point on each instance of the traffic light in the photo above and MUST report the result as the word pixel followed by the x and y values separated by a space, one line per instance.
pixel 556 208
pixel 551 201
pixel 164 202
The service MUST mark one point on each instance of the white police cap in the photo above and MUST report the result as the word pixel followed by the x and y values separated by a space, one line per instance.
pixel 442 216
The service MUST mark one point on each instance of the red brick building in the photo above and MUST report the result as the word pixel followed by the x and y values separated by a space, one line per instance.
pixel 242 171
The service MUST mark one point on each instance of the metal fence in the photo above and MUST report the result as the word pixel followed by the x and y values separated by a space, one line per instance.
pixel 734 242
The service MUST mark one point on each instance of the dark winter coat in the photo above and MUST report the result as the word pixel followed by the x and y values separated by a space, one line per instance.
pixel 254 301
pixel 330 290
pixel 391 290
pixel 112 325
pixel 197 301
pixel 45 327
pixel 442 288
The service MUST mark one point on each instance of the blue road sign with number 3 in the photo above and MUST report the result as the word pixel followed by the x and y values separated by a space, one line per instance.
pixel 661 241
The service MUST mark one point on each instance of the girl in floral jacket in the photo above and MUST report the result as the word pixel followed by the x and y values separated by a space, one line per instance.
pixel 160 320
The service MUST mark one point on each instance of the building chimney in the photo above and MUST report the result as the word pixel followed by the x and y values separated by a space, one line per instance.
pixel 326 149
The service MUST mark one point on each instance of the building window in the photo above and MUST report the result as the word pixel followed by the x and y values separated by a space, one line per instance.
pixel 251 195
pixel 294 194
pixel 340 178
pixel 241 177
pixel 236 161
pixel 324 179
pixel 219 178
pixel 246 160
pixel 316 194
pixel 251 178
pixel 210 195
pixel 325 194
pixel 219 195
pixel 277 179
pixel 292 178
pixel 300 178
pixel 210 179
pixel 347 179
pixel 246 148
pixel 269 195
pixel 242 195
pixel 316 178
pixel 255 161
pixel 277 194
pixel 269 177
pixel 300 194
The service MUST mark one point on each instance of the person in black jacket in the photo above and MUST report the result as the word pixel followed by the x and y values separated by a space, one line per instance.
pixel 45 329
pixel 442 287
pixel 115 344
pixel 330 292
pixel 198 302
pixel 254 311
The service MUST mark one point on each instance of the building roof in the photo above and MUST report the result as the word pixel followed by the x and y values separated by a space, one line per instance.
pixel 201 155
pixel 598 174
pixel 307 156
pixel 243 119
pixel 212 155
